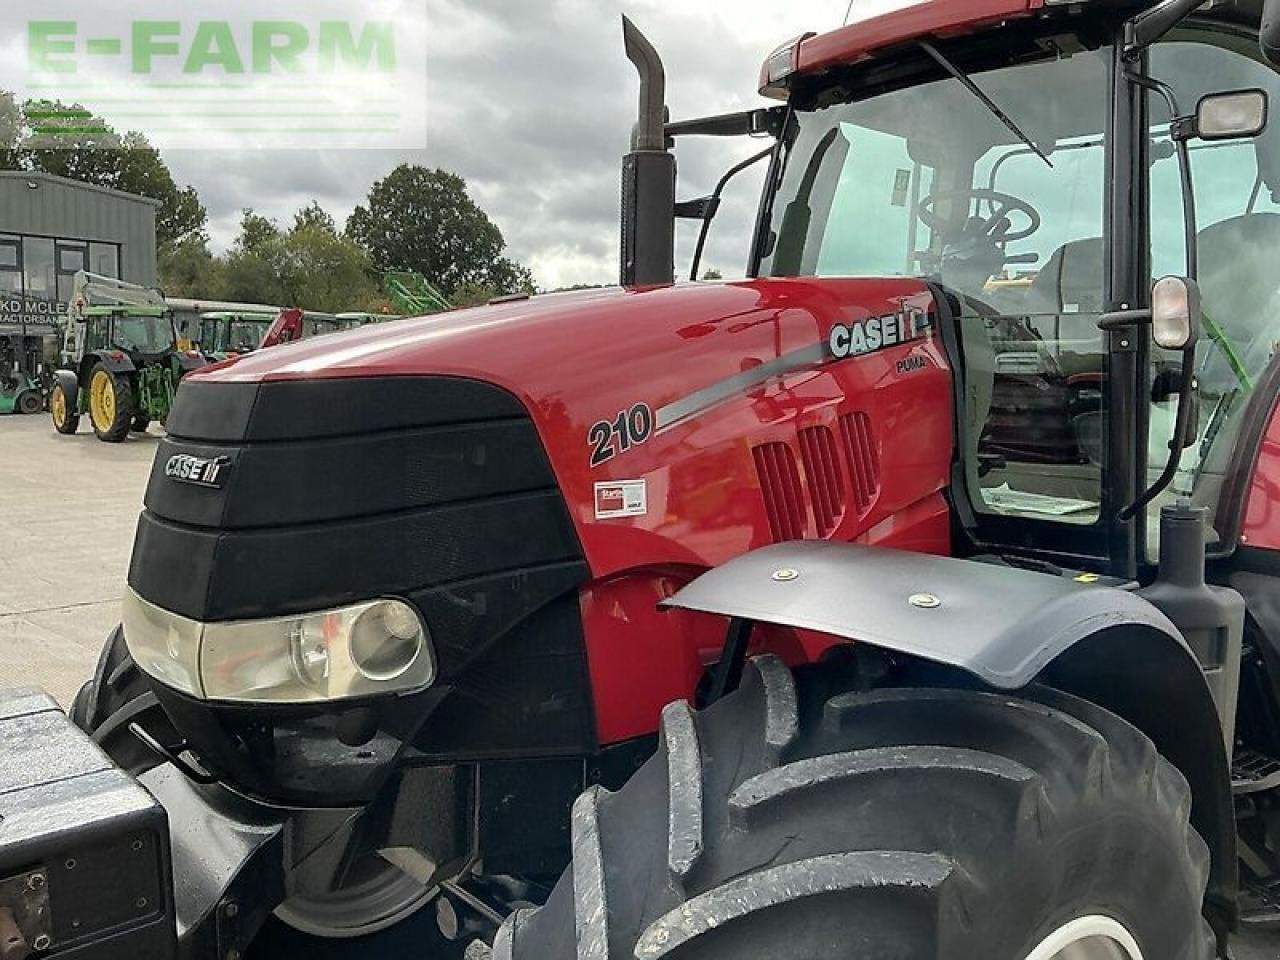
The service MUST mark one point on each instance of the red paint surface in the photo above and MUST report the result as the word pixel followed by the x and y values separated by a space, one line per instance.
pixel 577 359
pixel 936 18
pixel 1261 527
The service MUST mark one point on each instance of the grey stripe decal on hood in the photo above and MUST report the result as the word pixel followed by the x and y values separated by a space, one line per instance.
pixel 685 408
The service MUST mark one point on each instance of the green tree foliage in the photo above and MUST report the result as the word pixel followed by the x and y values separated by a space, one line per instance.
pixel 310 265
pixel 10 131
pixel 188 269
pixel 424 220
pixel 70 141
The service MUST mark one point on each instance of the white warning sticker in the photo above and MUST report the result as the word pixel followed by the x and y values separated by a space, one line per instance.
pixel 621 498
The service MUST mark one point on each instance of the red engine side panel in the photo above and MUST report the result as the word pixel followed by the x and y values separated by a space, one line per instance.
pixel 1261 526
pixel 687 425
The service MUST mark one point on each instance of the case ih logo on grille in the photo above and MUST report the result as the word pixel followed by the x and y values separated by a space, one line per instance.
pixel 202 471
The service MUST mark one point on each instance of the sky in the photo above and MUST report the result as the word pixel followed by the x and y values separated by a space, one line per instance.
pixel 532 101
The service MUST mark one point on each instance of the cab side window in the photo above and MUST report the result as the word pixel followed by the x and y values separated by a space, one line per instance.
pixel 1237 194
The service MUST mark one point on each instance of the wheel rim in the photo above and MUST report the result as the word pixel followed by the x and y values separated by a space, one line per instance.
pixel 1088 938
pixel 376 895
pixel 102 401
pixel 58 406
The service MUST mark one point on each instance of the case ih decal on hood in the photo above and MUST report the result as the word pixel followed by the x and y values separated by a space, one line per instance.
pixel 879 333
pixel 199 471
pixel 857 339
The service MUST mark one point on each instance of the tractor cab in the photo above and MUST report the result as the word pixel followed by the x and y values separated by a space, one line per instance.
pixel 1038 177
pixel 225 334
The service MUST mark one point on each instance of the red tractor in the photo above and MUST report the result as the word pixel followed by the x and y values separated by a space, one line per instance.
pixel 915 597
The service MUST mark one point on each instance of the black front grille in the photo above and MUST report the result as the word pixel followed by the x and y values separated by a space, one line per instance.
pixel 337 491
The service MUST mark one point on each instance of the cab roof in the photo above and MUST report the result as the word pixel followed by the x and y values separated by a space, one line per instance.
pixel 908 20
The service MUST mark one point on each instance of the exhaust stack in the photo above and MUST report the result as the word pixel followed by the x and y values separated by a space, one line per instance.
pixel 648 174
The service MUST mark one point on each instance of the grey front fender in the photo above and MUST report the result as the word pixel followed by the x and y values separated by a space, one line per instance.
pixel 1002 624
pixel 1008 627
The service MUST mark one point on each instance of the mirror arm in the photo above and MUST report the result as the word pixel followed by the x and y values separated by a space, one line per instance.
pixel 749 123
pixel 1180 132
pixel 1178 442
pixel 1118 319
pixel 1150 25
pixel 714 205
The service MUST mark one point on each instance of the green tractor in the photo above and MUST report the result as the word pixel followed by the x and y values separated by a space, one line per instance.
pixel 121 361
pixel 230 333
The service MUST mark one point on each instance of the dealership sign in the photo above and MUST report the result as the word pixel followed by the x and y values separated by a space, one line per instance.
pixel 32 312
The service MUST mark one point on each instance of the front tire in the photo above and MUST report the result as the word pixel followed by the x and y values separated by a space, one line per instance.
pixel 65 418
pixel 110 404
pixel 914 823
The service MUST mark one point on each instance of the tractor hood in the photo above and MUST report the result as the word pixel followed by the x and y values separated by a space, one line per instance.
pixel 622 383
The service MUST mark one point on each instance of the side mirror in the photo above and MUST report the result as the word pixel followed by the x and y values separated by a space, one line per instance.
pixel 1175 313
pixel 1233 115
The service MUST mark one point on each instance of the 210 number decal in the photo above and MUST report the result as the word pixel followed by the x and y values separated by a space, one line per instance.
pixel 629 429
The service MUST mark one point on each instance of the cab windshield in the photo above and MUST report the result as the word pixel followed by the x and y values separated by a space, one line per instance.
pixel 245 335
pixel 927 182
pixel 148 335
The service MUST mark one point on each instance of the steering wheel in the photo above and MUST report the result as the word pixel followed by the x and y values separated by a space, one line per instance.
pixel 994 226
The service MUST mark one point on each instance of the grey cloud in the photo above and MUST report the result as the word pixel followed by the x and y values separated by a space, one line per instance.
pixel 533 103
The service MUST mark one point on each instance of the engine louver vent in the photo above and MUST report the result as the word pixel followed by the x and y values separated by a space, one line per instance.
pixel 822 470
pixel 864 459
pixel 780 484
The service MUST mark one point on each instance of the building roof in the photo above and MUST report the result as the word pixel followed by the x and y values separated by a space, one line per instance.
pixel 66 183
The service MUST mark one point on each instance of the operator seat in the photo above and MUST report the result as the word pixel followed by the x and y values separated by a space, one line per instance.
pixel 1071 280
pixel 1064 301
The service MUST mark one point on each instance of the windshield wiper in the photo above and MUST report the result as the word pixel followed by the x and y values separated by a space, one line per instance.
pixel 986 101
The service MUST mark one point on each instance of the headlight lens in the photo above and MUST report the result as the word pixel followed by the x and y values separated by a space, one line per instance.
pixel 369 648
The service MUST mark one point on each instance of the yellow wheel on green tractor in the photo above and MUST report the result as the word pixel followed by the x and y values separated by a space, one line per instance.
pixel 110 404
pixel 65 418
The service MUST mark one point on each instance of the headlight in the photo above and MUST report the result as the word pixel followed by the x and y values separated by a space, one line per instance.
pixel 369 648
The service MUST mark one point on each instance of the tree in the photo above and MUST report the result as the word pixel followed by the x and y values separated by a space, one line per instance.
pixel 257 233
pixel 70 141
pixel 321 268
pixel 188 269
pixel 424 220
pixel 310 266
pixel 10 131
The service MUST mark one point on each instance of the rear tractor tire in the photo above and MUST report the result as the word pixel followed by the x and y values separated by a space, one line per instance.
pixel 913 823
pixel 63 411
pixel 110 404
